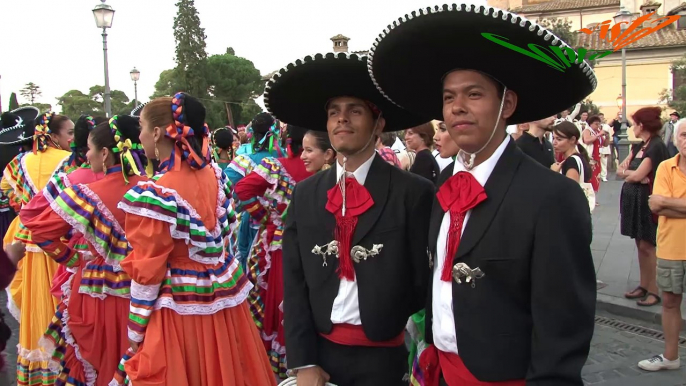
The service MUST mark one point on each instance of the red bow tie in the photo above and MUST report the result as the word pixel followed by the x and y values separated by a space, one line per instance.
pixel 458 194
pixel 357 201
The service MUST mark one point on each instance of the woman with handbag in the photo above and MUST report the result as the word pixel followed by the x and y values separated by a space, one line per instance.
pixel 575 162
pixel 637 221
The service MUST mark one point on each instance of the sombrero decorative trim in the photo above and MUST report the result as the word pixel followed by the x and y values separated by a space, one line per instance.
pixel 27 115
pixel 298 93
pixel 462 26
pixel 136 111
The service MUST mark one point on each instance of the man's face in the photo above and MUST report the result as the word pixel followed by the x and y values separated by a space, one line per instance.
pixel 350 124
pixel 595 125
pixel 584 116
pixel 681 139
pixel 674 118
pixel 602 118
pixel 470 108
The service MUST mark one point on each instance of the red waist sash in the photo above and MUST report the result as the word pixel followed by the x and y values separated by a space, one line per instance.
pixel 455 373
pixel 353 335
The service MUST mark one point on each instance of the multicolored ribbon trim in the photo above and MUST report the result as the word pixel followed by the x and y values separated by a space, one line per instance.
pixel 129 153
pixel 179 131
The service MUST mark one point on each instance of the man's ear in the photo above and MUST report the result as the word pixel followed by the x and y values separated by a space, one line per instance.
pixel 510 104
pixel 381 124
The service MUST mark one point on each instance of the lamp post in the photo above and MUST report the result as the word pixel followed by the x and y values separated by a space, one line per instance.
pixel 623 18
pixel 103 19
pixel 135 75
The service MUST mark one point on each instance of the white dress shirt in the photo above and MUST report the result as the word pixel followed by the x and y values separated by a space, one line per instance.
pixel 445 336
pixel 346 305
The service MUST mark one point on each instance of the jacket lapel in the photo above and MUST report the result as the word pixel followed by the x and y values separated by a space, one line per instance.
pixel 377 184
pixel 436 211
pixel 327 182
pixel 496 188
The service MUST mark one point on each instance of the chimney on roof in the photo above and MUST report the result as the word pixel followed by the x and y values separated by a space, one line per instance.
pixel 340 43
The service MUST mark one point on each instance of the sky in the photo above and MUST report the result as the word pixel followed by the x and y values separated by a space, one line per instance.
pixel 56 44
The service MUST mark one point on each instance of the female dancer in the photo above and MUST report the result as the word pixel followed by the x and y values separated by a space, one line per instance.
pixel 189 323
pixel 593 138
pixel 272 180
pixel 76 171
pixel 95 307
pixel 27 175
pixel 263 143
pixel 223 142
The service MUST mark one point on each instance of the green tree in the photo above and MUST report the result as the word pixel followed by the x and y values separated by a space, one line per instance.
pixel 589 107
pixel 74 103
pixel 118 99
pixel 13 101
pixel 42 107
pixel 562 28
pixel 676 98
pixel 190 49
pixel 31 91
pixel 167 85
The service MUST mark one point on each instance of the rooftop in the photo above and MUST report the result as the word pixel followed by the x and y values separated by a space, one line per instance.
pixel 678 9
pixel 340 37
pixel 562 5
pixel 663 38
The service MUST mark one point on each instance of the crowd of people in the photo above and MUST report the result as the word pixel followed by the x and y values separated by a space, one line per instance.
pixel 151 250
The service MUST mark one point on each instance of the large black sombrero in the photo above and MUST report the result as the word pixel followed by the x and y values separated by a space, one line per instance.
pixel 21 131
pixel 410 58
pixel 298 93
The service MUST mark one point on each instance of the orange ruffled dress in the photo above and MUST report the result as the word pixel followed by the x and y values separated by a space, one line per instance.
pixel 95 306
pixel 188 295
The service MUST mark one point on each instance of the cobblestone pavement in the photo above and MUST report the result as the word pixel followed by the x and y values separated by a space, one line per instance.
pixel 615 354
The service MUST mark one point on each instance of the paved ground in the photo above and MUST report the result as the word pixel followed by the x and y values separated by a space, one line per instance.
pixel 615 354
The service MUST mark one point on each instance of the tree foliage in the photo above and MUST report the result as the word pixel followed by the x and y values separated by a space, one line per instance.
pixel 589 107
pixel 14 104
pixel 676 98
pixel 190 49
pixel 74 102
pixel 229 79
pixel 562 28
pixel 31 91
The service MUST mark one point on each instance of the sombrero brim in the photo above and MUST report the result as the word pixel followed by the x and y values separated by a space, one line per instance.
pixel 298 93
pixel 410 58
pixel 23 131
pixel 136 112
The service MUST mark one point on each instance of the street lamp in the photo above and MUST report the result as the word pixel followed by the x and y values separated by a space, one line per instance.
pixel 135 75
pixel 103 19
pixel 623 18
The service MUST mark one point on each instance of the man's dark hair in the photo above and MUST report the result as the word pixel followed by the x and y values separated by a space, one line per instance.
pixel 388 139
pixel 592 119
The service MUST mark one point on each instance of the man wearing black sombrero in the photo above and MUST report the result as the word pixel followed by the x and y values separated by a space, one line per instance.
pixel 513 298
pixel 355 243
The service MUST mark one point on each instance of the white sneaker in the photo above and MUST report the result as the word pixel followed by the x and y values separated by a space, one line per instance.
pixel 604 179
pixel 659 362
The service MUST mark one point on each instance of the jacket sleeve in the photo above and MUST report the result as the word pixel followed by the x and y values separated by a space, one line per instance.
pixel 418 220
pixel 563 288
pixel 147 266
pixel 299 329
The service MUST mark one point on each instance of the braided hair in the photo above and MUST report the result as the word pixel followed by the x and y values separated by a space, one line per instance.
pixel 120 135
pixel 79 146
pixel 294 140
pixel 222 139
pixel 45 125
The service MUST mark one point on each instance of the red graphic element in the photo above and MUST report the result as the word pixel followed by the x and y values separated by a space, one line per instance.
pixel 634 31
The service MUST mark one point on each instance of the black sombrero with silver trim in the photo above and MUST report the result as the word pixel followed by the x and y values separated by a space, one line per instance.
pixel 410 58
pixel 22 129
pixel 298 93
pixel 136 112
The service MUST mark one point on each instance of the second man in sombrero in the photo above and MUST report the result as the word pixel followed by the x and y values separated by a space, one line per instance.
pixel 355 242
pixel 513 288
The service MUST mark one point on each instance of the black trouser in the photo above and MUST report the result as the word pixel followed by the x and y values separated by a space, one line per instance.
pixel 363 366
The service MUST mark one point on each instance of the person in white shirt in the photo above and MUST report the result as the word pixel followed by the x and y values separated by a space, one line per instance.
pixel 355 264
pixel 513 287
pixel 605 150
